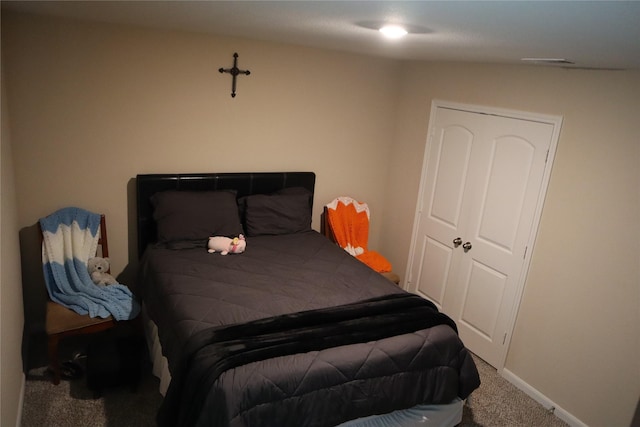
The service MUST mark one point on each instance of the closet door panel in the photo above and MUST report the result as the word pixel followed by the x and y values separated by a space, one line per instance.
pixel 508 175
pixel 435 269
pixel 442 210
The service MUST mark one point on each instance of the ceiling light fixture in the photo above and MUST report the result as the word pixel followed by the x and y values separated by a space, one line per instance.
pixel 404 28
pixel 393 31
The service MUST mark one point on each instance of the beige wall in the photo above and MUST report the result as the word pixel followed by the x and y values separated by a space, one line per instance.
pixel 11 313
pixel 93 105
pixel 577 335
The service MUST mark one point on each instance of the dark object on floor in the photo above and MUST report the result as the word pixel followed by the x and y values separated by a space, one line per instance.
pixel 114 361
pixel 71 370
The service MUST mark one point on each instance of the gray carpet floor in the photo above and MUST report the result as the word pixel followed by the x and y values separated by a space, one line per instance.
pixel 496 403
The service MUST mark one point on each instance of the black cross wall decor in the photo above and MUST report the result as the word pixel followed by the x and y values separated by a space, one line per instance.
pixel 234 71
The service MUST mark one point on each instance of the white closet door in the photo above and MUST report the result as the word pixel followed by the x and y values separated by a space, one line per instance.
pixel 481 187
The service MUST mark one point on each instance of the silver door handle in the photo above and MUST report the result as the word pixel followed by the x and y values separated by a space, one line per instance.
pixel 457 242
pixel 467 246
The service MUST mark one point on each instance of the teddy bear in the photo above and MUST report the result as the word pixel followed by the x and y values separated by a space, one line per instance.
pixel 226 245
pixel 98 268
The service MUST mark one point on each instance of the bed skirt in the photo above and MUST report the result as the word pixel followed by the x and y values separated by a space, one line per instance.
pixel 160 365
pixel 448 415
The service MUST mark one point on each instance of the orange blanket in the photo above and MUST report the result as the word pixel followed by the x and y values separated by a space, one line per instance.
pixel 349 221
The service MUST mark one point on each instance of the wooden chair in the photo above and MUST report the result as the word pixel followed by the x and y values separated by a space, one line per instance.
pixel 62 322
pixel 328 232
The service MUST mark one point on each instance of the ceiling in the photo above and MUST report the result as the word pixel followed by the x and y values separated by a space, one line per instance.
pixel 590 34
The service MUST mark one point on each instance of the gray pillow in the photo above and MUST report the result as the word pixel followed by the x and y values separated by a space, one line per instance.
pixel 285 212
pixel 195 215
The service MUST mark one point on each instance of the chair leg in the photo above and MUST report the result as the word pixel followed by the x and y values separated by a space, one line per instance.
pixel 54 362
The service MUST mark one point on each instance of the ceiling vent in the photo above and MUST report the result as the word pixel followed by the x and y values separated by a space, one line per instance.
pixel 548 61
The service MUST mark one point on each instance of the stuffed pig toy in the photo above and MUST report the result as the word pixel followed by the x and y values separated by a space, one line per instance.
pixel 225 245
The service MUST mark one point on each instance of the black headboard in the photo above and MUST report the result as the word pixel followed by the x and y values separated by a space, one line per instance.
pixel 245 183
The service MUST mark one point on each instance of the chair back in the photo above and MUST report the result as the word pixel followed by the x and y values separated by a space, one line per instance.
pixel 102 239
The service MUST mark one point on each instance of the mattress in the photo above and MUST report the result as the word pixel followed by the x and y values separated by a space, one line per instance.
pixel 188 292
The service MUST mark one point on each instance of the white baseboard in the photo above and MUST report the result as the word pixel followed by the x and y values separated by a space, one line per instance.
pixel 542 399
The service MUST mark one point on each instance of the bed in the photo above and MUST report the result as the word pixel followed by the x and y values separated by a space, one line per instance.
pixel 291 332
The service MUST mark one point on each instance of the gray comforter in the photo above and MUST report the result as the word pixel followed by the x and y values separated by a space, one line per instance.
pixel 189 291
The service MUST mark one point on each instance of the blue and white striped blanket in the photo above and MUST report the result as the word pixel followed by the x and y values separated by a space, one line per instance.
pixel 70 238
